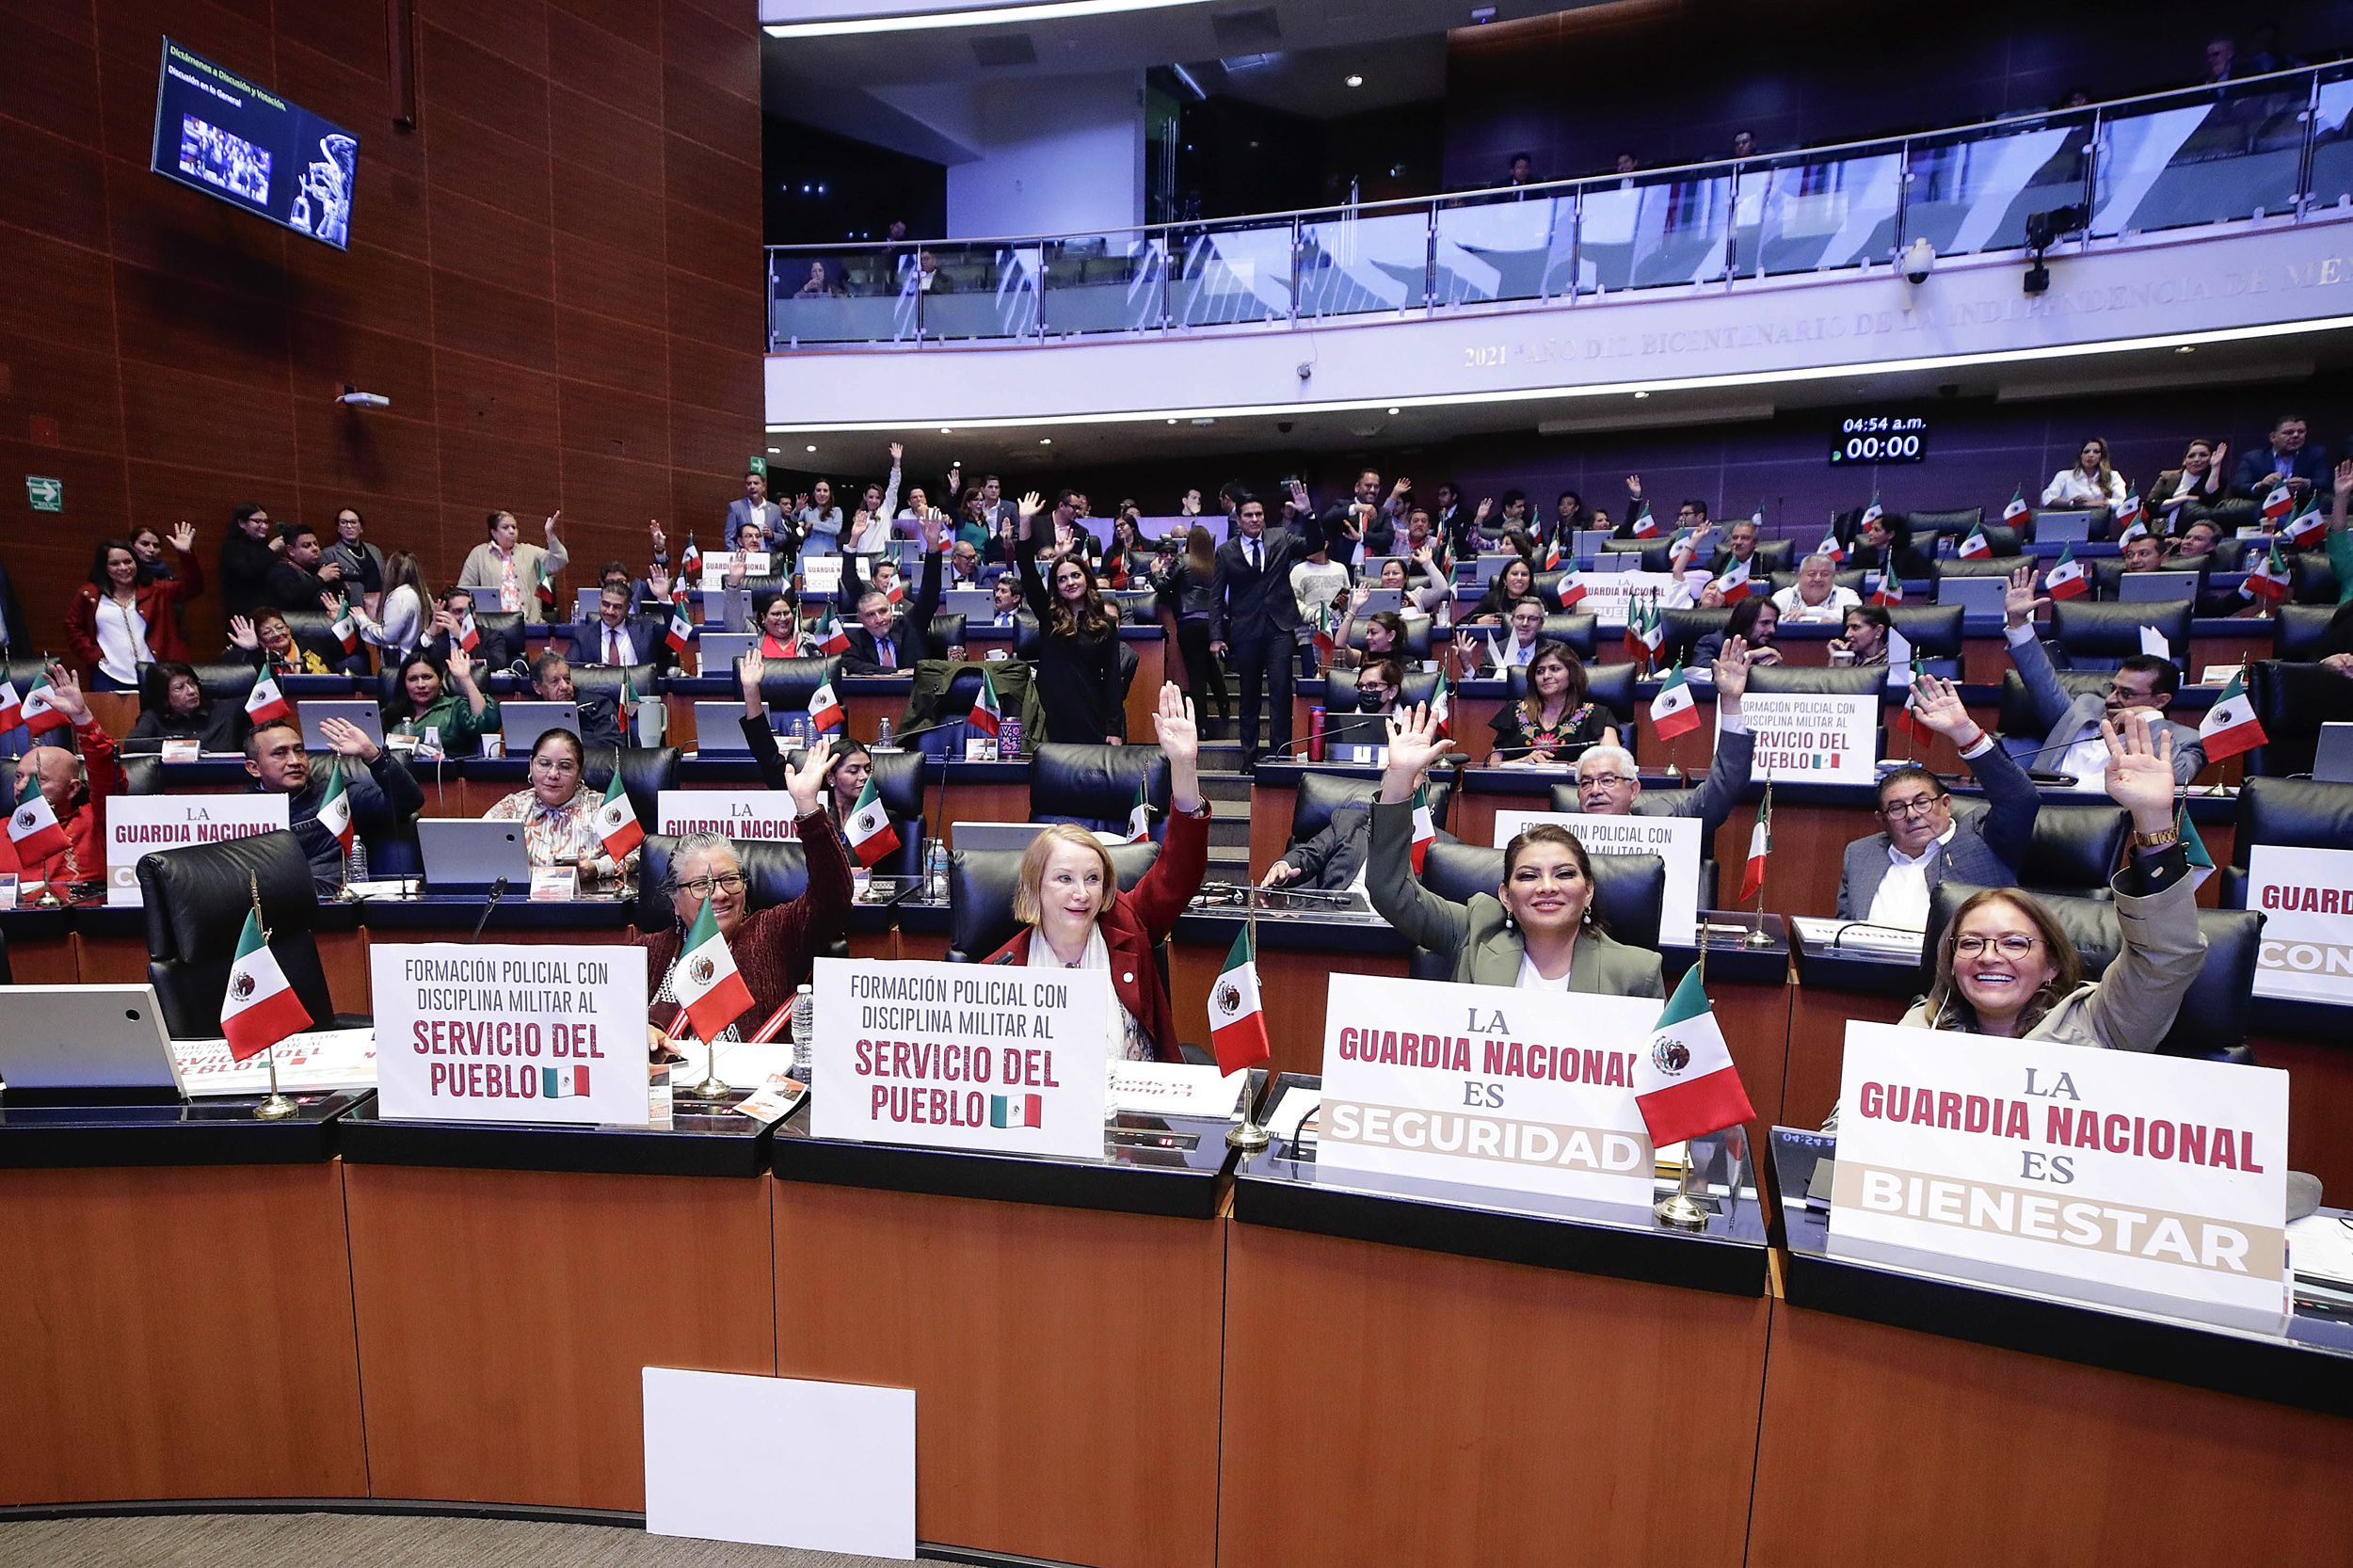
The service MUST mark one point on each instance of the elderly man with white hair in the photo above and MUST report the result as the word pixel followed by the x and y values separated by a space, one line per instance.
pixel 1609 785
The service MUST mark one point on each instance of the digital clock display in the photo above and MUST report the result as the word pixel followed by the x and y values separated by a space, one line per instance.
pixel 1879 438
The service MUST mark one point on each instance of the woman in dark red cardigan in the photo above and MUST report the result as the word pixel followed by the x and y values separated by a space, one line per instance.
pixel 774 949
pixel 1077 917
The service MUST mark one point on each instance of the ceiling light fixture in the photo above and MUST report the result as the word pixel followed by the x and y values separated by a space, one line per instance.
pixel 1045 441
pixel 812 448
pixel 1047 10
pixel 1641 395
pixel 1397 410
pixel 1353 80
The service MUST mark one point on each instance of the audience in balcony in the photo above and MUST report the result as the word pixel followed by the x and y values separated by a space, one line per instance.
pixel 2198 480
pixel 2092 482
pixel 2289 456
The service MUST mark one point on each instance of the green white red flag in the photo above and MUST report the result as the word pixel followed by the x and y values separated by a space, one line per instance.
pixel 260 1007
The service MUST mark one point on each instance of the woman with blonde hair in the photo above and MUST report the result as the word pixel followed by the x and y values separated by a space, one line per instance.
pixel 1076 918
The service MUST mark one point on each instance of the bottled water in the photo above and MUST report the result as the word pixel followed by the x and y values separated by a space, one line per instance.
pixel 804 1028
pixel 936 868
pixel 882 736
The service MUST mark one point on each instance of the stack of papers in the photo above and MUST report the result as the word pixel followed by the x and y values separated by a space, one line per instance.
pixel 2320 1246
pixel 1175 1089
pixel 314 1059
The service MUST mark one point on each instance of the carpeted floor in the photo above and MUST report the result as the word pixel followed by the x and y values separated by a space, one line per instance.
pixel 372 1541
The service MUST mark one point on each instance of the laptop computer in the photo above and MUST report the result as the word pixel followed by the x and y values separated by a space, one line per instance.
pixel 719 729
pixel 1378 600
pixel 2332 754
pixel 1483 570
pixel 2063 527
pixel 976 605
pixel 86 1036
pixel 2155 587
pixel 721 649
pixel 486 601
pixel 523 723
pixel 587 604
pixel 462 854
pixel 312 712
pixel 1977 596
pixel 727 607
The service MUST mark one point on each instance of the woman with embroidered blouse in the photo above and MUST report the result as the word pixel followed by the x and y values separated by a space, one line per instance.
pixel 559 817
pixel 1557 719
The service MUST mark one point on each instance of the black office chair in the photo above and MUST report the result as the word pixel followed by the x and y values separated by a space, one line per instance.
pixel 1819 680
pixel 1319 795
pixel 502 639
pixel 2303 633
pixel 314 632
pixel 1628 892
pixel 2091 636
pixel 2075 847
pixel 1095 786
pixel 786 684
pixel 2292 702
pixel 773 872
pixel 1339 690
pixel 1614 687
pixel 1581 632
pixel 646 772
pixel 1680 629
pixel 945 631
pixel 2022 729
pixel 1924 528
pixel 228 681
pixel 1981 566
pixel 2212 1023
pixel 2311 579
pixel 142 776
pixel 1416 636
pixel 1773 555
pixel 196 899
pixel 980 897
pixel 1934 631
pixel 2291 813
pixel 605 680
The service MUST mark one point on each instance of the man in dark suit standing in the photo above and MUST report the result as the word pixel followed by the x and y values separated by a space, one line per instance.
pixel 618 637
pixel 1256 617
pixel 755 507
pixel 877 645
pixel 2288 456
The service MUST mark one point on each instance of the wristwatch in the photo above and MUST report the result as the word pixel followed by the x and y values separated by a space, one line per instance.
pixel 2163 838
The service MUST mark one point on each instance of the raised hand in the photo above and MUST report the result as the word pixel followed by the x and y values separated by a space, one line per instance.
pixel 1486 504
pixel 2019 603
pixel 897 452
pixel 1029 506
pixel 1938 703
pixel 183 537
pixel 2345 476
pixel 1180 736
pixel 1414 744
pixel 658 579
pixel 1634 485
pixel 660 540
pixel 241 633
pixel 748 669
pixel 460 665
pixel 554 520
pixel 65 691
pixel 1731 670
pixel 347 739
pixel 1399 491
pixel 804 783
pixel 2141 770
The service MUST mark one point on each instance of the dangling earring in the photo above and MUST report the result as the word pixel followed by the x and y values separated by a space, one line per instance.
pixel 1507 917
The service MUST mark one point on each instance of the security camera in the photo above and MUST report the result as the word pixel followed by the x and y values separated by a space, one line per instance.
pixel 1282 428
pixel 353 397
pixel 1304 369
pixel 1919 261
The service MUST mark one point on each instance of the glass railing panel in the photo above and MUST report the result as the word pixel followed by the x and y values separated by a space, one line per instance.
pixel 1355 263
pixel 983 289
pixel 832 298
pixel 1642 233
pixel 1973 192
pixel 2211 156
pixel 1517 246
pixel 1107 283
pixel 1814 214
pixel 2332 139
pixel 1230 273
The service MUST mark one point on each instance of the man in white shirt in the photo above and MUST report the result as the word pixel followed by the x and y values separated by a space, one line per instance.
pixel 1888 877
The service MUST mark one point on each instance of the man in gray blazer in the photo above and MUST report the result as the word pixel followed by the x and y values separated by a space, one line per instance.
pixel 1890 877
pixel 1609 785
pixel 2072 744
pixel 755 507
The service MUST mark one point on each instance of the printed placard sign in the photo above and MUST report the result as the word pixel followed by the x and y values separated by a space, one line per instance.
pixel 963 1056
pixel 1487 1086
pixel 500 1033
pixel 747 815
pixel 1609 593
pixel 140 825
pixel 1811 738
pixel 2159 1182
pixel 2306 897
pixel 1673 840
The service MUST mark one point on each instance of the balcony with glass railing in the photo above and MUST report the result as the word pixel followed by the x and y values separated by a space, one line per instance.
pixel 2270 149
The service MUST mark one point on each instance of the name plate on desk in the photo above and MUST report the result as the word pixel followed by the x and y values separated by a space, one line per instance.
pixel 493 1033
pixel 2306 898
pixel 2153 1182
pixel 1811 738
pixel 1609 593
pixel 1673 840
pixel 962 1056
pixel 1486 1086
pixel 763 815
pixel 138 825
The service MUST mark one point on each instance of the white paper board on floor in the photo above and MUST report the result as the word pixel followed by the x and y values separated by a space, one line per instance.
pixel 780 1462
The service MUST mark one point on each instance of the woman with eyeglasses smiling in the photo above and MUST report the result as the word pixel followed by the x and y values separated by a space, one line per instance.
pixel 2005 966
pixel 776 948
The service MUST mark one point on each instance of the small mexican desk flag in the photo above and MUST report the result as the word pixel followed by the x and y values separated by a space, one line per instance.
pixel 335 808
pixel 1672 712
pixel 33 827
pixel 1236 1017
pixel 260 1007
pixel 868 830
pixel 2229 726
pixel 705 980
pixel 1685 1083
pixel 616 821
pixel 1140 819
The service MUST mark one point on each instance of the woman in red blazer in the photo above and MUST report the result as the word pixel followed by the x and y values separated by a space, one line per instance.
pixel 115 576
pixel 1078 919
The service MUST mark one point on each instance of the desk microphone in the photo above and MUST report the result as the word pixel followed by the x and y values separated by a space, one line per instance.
pixel 1838 937
pixel 498 891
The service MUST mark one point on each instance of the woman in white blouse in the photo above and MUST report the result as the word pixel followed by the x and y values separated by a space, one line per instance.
pixel 404 609
pixel 2092 482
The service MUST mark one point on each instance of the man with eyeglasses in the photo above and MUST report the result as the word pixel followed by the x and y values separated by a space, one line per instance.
pixel 1889 877
pixel 2073 744
pixel 1609 785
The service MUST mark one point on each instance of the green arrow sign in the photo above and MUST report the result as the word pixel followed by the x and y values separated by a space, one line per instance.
pixel 44 495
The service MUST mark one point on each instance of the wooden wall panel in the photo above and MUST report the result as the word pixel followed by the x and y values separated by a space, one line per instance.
pixel 189 354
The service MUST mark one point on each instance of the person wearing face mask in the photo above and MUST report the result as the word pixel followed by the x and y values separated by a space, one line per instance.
pixel 774 948
pixel 1078 647
pixel 2073 743
pixel 1889 877
pixel 77 787
pixel 1537 930
pixel 172 706
pixel 1075 917
pixel 599 714
pixel 516 570
pixel 559 816
pixel 118 624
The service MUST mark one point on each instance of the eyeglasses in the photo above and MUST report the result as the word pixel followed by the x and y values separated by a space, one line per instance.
pixel 1376 692
pixel 702 886
pixel 1607 780
pixel 2010 944
pixel 1918 807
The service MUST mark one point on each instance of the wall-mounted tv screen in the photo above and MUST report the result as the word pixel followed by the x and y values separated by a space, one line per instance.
pixel 218 133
